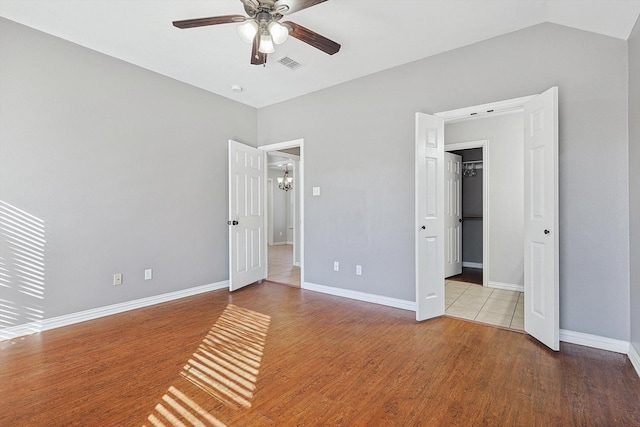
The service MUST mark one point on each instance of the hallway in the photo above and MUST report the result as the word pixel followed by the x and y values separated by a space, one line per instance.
pixel 281 268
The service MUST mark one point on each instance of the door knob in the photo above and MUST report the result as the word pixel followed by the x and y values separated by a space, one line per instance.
pixel 460 220
pixel 423 227
pixel 546 232
pixel 234 222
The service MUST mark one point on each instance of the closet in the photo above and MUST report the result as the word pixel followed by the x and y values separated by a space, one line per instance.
pixel 472 221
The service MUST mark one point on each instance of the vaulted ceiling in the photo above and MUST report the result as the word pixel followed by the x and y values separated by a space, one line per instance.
pixel 374 34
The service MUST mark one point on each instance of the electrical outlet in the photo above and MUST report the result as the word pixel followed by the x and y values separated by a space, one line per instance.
pixel 148 274
pixel 358 270
pixel 117 279
pixel 336 266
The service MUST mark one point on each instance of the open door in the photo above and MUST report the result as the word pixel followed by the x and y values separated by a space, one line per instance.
pixel 429 223
pixel 453 214
pixel 247 219
pixel 541 276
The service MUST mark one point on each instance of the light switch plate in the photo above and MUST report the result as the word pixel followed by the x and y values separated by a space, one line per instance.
pixel 316 191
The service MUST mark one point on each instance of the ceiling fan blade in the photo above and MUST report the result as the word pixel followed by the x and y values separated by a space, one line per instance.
pixel 214 20
pixel 294 5
pixel 312 38
pixel 257 57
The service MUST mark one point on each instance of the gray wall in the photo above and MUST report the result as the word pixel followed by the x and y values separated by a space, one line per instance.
pixel 106 167
pixel 506 190
pixel 634 179
pixel 359 148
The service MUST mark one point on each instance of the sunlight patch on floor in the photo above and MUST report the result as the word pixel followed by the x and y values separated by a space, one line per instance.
pixel 225 366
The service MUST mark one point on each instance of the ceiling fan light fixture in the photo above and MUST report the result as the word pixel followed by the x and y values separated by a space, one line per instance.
pixel 266 43
pixel 278 32
pixel 247 30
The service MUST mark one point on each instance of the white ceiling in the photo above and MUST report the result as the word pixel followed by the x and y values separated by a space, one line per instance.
pixel 374 34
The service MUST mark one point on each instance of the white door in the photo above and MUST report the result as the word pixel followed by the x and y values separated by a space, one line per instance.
pixel 453 214
pixel 247 219
pixel 541 308
pixel 429 201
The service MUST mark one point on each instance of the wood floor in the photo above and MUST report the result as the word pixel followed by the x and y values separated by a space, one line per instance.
pixel 272 355
pixel 281 268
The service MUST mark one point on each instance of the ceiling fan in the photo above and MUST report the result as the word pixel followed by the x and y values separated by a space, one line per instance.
pixel 263 28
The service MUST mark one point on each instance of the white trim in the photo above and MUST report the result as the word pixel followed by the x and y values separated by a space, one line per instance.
pixel 594 341
pixel 481 111
pixel 506 286
pixel 95 313
pixel 634 357
pixel 361 296
pixel 471 264
pixel 486 234
pixel 289 156
pixel 269 211
pixel 279 243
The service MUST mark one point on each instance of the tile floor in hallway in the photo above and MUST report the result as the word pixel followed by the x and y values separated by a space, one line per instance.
pixel 281 268
pixel 487 305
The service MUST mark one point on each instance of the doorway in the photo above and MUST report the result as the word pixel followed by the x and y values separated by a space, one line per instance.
pixel 467 294
pixel 285 212
pixel 538 244
pixel 281 214
pixel 473 214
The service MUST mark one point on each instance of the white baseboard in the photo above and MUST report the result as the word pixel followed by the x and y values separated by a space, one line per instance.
pixel 94 313
pixel 594 341
pixel 472 264
pixel 361 296
pixel 506 286
pixel 279 243
pixel 634 356
pixel 289 243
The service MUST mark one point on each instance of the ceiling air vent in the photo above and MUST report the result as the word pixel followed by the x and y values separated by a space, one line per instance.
pixel 289 63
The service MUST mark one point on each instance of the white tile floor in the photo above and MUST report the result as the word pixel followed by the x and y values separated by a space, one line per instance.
pixel 281 268
pixel 487 305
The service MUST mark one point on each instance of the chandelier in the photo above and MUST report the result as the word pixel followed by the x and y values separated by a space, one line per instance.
pixel 285 182
pixel 269 30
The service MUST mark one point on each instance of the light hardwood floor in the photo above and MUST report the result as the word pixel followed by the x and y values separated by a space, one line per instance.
pixel 270 355
pixel 281 268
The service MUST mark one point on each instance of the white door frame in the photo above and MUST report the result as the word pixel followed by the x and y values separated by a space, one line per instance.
pixel 299 183
pixel 269 211
pixel 484 144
